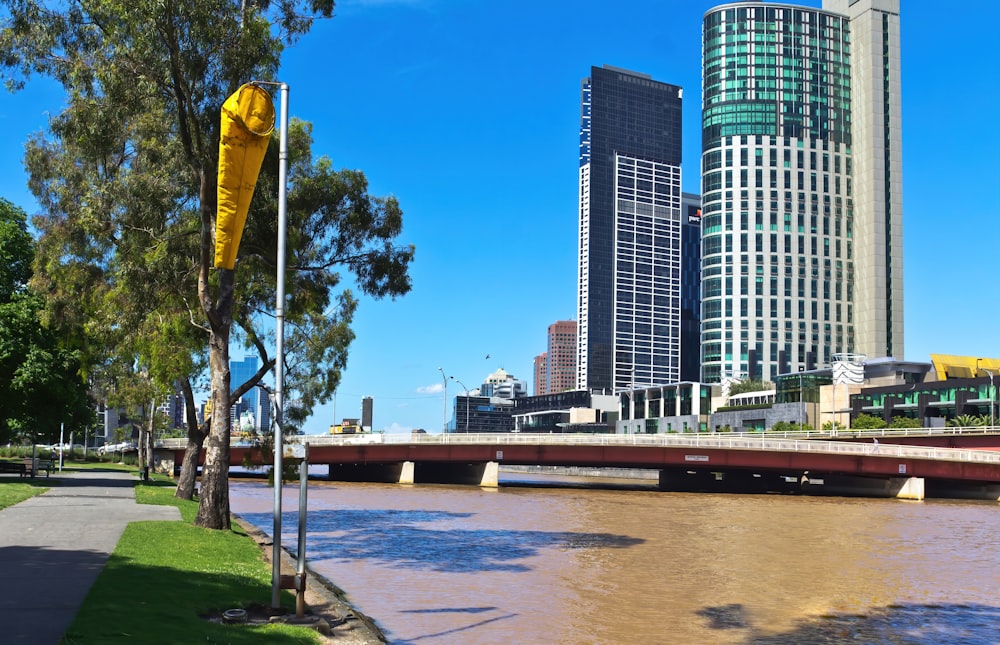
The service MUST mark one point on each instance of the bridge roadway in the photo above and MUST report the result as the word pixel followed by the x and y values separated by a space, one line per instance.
pixel 791 455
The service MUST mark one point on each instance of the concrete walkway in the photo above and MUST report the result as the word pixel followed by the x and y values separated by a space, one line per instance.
pixel 53 546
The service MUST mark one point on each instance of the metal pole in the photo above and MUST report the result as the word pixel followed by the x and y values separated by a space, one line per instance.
pixel 300 578
pixel 466 403
pixel 802 404
pixel 279 351
pixel 991 396
pixel 444 402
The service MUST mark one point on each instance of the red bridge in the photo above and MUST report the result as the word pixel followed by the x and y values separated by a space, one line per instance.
pixel 856 464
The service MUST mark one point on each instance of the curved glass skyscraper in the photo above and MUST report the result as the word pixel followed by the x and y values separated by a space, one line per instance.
pixel 801 193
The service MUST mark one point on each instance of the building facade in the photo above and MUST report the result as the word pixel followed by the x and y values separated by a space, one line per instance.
pixel 241 372
pixel 541 374
pixel 628 297
pixel 560 364
pixel 801 186
pixel 690 287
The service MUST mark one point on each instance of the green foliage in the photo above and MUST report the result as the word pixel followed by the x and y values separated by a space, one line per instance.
pixel 905 422
pixel 829 426
pixel 126 179
pixel 968 421
pixel 40 373
pixel 749 385
pixel 868 422
pixel 788 426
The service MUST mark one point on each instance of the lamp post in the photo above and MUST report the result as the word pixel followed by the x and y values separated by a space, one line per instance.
pixel 992 388
pixel 802 403
pixel 444 402
pixel 466 403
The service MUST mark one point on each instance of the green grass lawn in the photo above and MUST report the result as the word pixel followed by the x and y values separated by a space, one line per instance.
pixel 14 489
pixel 163 576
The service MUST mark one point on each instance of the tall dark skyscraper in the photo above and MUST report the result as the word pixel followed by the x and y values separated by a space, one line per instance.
pixel 630 231
pixel 691 288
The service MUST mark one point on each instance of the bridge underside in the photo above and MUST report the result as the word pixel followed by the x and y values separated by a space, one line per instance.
pixel 682 468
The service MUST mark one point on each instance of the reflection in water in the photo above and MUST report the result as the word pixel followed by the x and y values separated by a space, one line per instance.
pixel 444 564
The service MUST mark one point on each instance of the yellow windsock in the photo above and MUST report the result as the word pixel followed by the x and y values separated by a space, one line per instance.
pixel 247 122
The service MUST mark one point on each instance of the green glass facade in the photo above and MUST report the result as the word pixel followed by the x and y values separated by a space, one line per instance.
pixel 778 267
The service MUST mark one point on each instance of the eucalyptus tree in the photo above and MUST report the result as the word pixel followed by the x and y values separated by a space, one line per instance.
pixel 126 179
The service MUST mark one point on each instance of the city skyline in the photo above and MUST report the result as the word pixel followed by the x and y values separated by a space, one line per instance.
pixel 470 117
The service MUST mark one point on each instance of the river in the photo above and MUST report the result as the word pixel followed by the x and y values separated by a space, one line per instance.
pixel 532 562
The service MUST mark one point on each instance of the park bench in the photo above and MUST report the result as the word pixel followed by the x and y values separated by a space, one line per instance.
pixel 32 466
pixel 13 467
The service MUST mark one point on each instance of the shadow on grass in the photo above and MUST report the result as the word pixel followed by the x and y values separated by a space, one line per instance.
pixel 141 603
pixel 908 624
pixel 405 539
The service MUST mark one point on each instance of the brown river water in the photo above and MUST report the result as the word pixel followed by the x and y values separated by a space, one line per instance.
pixel 535 563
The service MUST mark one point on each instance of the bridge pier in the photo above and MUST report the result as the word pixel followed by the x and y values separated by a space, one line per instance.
pixel 484 474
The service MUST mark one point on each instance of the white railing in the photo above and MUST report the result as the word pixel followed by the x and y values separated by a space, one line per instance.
pixel 775 442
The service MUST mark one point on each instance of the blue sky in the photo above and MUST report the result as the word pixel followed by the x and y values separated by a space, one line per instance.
pixel 468 112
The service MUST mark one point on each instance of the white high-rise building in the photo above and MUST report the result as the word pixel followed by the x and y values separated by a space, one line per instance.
pixel 801 186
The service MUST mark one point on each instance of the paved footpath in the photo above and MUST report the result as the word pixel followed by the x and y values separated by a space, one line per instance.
pixel 53 546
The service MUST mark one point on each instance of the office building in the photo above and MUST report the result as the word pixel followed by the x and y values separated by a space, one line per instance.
pixel 801 186
pixel 560 363
pixel 541 374
pixel 690 287
pixel 629 231
pixel 239 373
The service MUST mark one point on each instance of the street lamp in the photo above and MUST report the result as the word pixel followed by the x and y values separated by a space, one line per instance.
pixel 992 388
pixel 466 403
pixel 802 403
pixel 444 402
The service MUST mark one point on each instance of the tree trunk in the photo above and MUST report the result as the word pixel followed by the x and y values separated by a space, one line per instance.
pixel 146 446
pixel 196 437
pixel 213 506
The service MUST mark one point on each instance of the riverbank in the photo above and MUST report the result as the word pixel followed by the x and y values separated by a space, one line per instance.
pixel 348 626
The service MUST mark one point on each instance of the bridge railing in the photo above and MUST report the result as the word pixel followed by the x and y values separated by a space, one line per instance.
pixel 780 442
pixel 760 441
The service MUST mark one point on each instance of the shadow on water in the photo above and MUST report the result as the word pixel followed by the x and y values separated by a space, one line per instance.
pixel 450 610
pixel 396 538
pixel 892 625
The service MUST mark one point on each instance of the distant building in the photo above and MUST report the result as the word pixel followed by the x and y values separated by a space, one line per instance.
pixel 566 411
pixel 561 357
pixel 541 373
pixel 239 373
pixel 677 407
pixel 502 385
pixel 690 287
pixel 488 408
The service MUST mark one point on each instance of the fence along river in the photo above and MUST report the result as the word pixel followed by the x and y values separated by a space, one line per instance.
pixel 554 560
